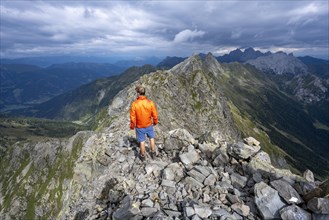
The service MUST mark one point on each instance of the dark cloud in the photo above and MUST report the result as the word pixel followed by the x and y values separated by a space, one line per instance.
pixel 30 28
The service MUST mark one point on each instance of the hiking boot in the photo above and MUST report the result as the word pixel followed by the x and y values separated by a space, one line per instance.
pixel 153 155
pixel 142 157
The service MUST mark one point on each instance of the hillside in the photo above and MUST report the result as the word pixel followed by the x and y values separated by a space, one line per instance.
pixel 86 101
pixel 203 168
pixel 26 85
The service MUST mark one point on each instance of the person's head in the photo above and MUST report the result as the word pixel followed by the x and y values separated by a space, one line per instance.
pixel 140 90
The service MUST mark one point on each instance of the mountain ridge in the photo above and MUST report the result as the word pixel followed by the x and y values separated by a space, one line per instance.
pixel 203 169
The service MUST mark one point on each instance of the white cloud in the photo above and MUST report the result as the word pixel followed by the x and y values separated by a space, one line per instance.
pixel 187 35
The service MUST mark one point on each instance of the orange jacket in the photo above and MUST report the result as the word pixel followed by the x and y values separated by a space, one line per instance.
pixel 141 113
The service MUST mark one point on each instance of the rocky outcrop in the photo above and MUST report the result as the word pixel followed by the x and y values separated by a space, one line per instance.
pixel 183 183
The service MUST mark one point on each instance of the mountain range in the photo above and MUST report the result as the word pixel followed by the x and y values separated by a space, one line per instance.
pixel 203 169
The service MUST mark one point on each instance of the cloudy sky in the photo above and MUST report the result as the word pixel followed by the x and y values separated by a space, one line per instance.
pixel 160 28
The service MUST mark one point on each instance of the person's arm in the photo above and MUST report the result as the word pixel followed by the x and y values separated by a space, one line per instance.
pixel 154 114
pixel 132 116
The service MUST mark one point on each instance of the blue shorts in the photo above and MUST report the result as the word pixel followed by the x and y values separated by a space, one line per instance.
pixel 141 132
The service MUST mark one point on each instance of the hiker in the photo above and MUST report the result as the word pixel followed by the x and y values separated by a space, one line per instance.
pixel 143 115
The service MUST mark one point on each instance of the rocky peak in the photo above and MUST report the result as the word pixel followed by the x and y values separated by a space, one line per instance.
pixel 185 96
pixel 195 63
pixel 279 63
pixel 239 56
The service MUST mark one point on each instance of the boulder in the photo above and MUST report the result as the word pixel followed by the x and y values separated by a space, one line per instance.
pixel 308 175
pixel 238 181
pixel 242 151
pixel 294 212
pixel 202 211
pixel 173 172
pixel 189 157
pixel 319 205
pixel 251 141
pixel 178 139
pixel 196 175
pixel 286 191
pixel 267 200
pixel 127 210
pixel 241 209
pixel 321 191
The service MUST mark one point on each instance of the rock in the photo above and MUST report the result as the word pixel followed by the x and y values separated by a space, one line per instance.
pixel 192 182
pixel 155 167
pixel 257 177
pixel 189 211
pixel 267 200
pixel 321 191
pixel 238 181
pixel 173 172
pixel 308 175
pixel 104 160
pixel 242 151
pixel 178 139
pixel 196 175
pixel 232 198
pixel 207 148
pixel 319 205
pixel 286 191
pixel 251 141
pixel 147 203
pixel 171 214
pixel 261 163
pixel 319 217
pixel 294 212
pixel 148 211
pixel 210 180
pixel 189 157
pixel 241 209
pixel 202 211
pixel 127 210
pixel 220 160
pixel 169 185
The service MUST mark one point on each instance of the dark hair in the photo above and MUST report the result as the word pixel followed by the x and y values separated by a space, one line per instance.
pixel 140 90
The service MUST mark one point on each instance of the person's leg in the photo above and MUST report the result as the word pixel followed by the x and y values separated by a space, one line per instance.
pixel 152 143
pixel 142 148
pixel 141 139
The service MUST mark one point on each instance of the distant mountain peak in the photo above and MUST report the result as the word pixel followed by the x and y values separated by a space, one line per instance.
pixel 239 56
pixel 279 63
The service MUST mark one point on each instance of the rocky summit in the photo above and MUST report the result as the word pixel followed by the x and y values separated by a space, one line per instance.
pixel 203 168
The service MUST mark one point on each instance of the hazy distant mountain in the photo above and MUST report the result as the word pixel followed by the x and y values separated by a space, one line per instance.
pixel 170 62
pixel 23 85
pixel 241 56
pixel 86 101
pixel 48 61
pixel 138 62
pixel 316 66
pixel 279 63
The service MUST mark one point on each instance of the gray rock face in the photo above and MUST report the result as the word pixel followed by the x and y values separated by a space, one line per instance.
pixel 267 200
pixel 279 63
pixel 294 212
